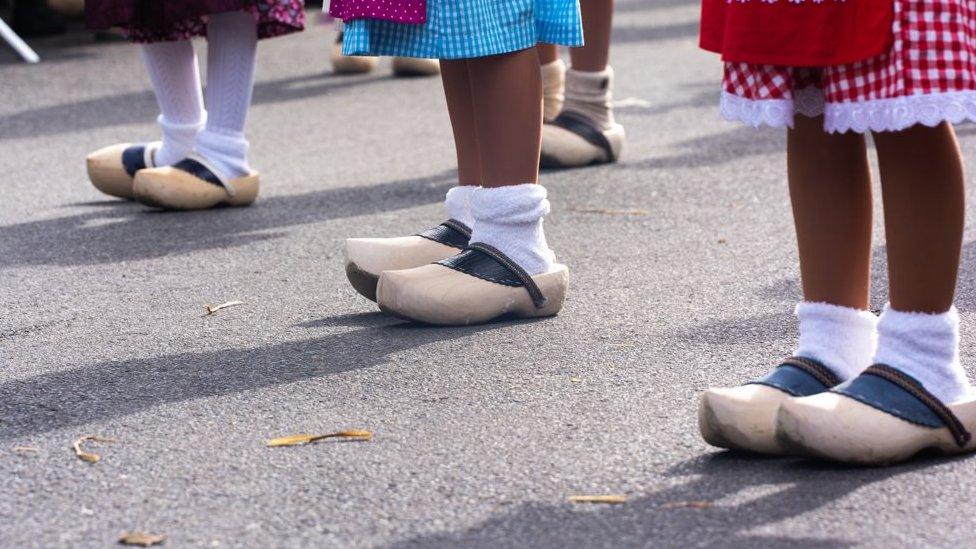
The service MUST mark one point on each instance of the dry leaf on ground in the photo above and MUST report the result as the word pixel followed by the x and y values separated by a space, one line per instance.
pixel 610 211
pixel 687 505
pixel 576 380
pixel 610 499
pixel 211 309
pixel 141 539
pixel 88 456
pixel 298 440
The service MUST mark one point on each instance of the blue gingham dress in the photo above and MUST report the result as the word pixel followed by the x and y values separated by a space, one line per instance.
pixel 462 29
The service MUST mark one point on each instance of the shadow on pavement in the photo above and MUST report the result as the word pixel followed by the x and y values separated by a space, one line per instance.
pixel 131 232
pixel 715 149
pixel 115 389
pixel 787 490
pixel 140 107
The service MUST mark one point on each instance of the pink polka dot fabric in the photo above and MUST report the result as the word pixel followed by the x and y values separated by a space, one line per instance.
pixel 399 11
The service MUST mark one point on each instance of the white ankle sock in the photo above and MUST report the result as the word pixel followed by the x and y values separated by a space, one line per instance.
pixel 458 204
pixel 590 94
pixel 926 347
pixel 553 88
pixel 842 338
pixel 175 76
pixel 231 49
pixel 510 219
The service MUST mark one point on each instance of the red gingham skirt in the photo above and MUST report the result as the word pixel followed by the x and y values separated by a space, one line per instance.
pixel 928 77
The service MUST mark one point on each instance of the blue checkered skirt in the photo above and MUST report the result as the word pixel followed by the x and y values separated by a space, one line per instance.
pixel 462 29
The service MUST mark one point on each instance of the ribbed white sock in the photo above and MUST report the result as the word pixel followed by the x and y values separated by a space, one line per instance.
pixel 231 50
pixel 175 76
pixel 842 338
pixel 590 94
pixel 926 347
pixel 510 219
pixel 458 204
pixel 553 88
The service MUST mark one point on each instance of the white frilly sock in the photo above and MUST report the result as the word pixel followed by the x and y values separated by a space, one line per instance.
pixel 510 219
pixel 591 94
pixel 231 50
pixel 842 338
pixel 175 76
pixel 458 204
pixel 926 347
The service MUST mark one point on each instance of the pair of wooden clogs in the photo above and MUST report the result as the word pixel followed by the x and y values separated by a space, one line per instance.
pixel 881 417
pixel 438 277
pixel 128 171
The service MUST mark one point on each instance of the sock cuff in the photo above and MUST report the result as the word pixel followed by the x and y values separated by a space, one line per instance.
pixel 587 82
pixel 223 143
pixel 843 338
pixel 458 203
pixel 555 68
pixel 836 314
pixel 178 127
pixel 511 205
pixel 932 323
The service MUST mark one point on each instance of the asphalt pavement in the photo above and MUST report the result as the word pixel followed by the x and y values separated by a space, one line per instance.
pixel 683 276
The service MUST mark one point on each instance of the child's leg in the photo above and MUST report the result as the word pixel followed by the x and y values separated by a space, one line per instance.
pixel 175 76
pixel 924 200
pixel 597 25
pixel 547 53
pixel 232 47
pixel 830 188
pixel 506 93
pixel 553 80
pixel 586 132
pixel 460 106
pixel 589 81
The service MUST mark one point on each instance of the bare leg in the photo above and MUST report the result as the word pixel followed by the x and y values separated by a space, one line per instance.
pixel 507 93
pixel 547 53
pixel 597 24
pixel 830 187
pixel 924 203
pixel 457 89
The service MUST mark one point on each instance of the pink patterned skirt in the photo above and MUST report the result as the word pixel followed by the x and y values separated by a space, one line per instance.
pixel 928 77
pixel 156 21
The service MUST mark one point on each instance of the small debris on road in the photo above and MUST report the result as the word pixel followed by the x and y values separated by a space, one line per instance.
pixel 211 309
pixel 688 505
pixel 88 456
pixel 607 499
pixel 298 440
pixel 141 539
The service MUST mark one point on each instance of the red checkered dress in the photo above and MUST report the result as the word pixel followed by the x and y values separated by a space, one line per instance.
pixel 928 77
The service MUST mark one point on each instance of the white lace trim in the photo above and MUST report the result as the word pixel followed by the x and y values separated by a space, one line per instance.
pixel 877 115
pixel 890 115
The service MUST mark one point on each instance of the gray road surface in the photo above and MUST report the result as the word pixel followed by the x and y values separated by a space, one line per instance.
pixel 481 434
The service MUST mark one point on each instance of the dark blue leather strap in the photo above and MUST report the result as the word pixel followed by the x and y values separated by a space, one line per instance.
pixel 799 377
pixel 488 263
pixel 134 159
pixel 583 127
pixel 198 170
pixel 450 233
pixel 896 393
